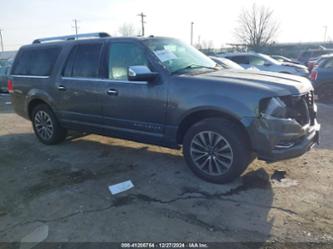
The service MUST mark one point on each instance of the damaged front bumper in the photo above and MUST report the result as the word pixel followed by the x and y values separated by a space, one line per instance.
pixel 275 139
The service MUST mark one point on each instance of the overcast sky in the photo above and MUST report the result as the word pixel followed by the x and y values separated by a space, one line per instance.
pixel 24 20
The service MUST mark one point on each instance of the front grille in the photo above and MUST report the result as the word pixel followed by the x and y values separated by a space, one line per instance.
pixel 301 108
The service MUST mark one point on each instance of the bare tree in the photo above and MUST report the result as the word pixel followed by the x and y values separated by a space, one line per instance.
pixel 257 28
pixel 127 29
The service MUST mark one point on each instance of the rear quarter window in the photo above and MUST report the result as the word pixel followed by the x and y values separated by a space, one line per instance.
pixel 36 61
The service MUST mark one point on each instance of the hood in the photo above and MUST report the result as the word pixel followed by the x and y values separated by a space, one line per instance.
pixel 280 84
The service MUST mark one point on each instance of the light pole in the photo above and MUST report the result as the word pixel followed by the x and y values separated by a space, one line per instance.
pixel 142 23
pixel 1 40
pixel 325 33
pixel 192 23
pixel 76 29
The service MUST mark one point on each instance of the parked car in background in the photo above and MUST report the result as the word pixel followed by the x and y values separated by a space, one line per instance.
pixel 322 79
pixel 266 63
pixel 226 63
pixel 313 62
pixel 281 58
pixel 4 73
pixel 307 55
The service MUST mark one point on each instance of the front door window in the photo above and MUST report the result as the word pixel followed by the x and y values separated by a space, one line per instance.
pixel 122 56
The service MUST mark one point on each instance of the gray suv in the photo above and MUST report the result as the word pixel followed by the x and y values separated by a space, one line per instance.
pixel 161 91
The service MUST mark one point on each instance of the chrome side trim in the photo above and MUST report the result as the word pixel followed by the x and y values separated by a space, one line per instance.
pixel 106 80
pixel 30 76
pixel 115 128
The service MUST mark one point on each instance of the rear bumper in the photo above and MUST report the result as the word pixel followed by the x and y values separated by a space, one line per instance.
pixel 276 139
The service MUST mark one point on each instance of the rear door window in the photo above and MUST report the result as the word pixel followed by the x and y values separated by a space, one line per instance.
pixel 36 62
pixel 83 61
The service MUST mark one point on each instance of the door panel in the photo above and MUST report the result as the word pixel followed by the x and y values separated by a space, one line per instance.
pixel 137 106
pixel 77 88
pixel 79 101
pixel 132 107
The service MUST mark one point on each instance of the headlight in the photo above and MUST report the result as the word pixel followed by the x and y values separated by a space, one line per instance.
pixel 274 107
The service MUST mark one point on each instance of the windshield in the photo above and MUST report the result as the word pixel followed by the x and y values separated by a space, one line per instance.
pixel 270 59
pixel 176 56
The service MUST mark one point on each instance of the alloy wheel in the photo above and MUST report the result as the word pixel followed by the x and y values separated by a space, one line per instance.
pixel 43 125
pixel 211 153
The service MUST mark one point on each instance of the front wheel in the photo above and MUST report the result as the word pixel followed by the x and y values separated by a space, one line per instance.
pixel 46 125
pixel 217 150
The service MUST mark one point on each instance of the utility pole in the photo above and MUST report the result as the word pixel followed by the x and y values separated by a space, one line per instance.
pixel 142 23
pixel 325 33
pixel 1 40
pixel 76 28
pixel 192 23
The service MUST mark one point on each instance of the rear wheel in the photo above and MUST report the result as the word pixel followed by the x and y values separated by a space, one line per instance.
pixel 46 125
pixel 216 150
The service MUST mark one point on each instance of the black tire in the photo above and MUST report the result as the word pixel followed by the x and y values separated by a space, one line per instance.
pixel 226 134
pixel 42 119
pixel 325 93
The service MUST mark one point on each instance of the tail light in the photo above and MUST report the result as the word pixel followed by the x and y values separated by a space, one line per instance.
pixel 10 86
pixel 314 75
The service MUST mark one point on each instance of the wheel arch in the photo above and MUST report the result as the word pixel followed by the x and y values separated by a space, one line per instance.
pixel 199 115
pixel 36 97
pixel 32 105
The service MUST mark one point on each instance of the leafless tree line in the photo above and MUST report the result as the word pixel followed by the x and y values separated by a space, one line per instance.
pixel 257 27
pixel 128 29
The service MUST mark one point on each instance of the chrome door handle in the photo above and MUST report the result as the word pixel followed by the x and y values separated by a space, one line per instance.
pixel 112 92
pixel 61 88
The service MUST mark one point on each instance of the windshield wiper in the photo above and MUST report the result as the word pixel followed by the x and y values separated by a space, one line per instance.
pixel 192 66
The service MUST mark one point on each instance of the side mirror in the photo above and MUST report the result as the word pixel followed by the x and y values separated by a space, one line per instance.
pixel 140 73
pixel 267 64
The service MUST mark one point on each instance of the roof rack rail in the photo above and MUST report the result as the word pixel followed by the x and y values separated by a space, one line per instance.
pixel 71 37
